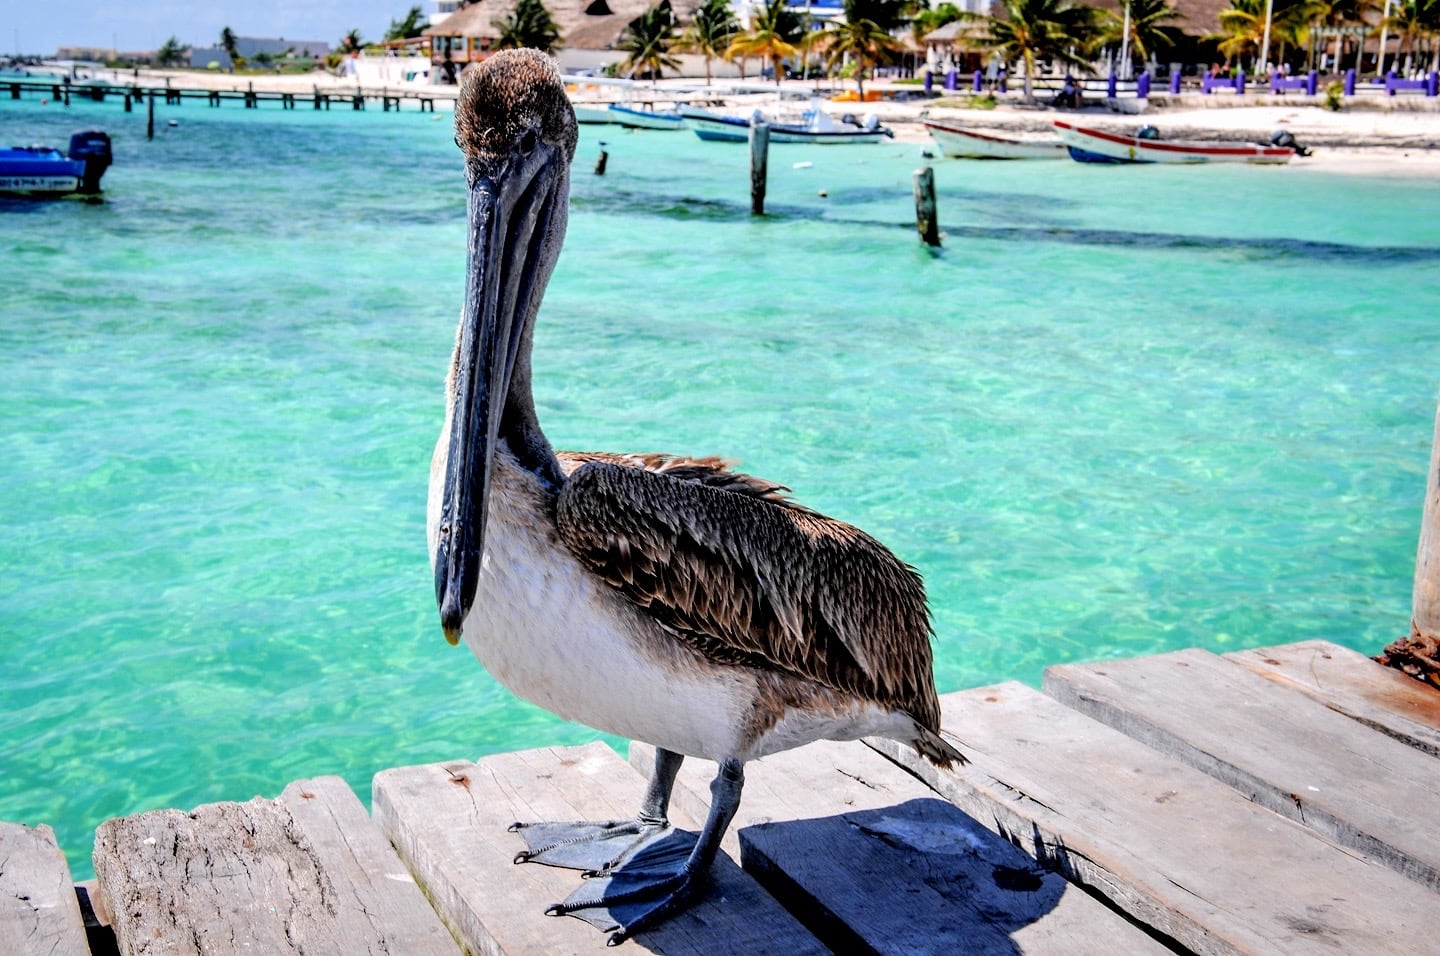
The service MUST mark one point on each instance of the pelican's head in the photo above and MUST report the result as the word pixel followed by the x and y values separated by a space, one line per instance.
pixel 518 132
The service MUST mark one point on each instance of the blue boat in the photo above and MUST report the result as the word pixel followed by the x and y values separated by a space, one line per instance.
pixel 43 171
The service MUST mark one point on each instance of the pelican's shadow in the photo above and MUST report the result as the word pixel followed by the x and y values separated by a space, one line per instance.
pixel 920 877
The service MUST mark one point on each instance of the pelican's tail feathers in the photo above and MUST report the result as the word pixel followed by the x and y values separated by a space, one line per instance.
pixel 933 748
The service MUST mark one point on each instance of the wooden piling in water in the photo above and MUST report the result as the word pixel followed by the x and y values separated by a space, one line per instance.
pixel 1419 653
pixel 759 161
pixel 925 219
pixel 602 161
pixel 150 122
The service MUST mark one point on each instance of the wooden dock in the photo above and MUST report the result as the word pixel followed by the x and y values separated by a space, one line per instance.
pixel 132 95
pixel 1280 800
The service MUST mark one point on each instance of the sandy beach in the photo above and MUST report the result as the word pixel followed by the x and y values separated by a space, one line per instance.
pixel 1371 135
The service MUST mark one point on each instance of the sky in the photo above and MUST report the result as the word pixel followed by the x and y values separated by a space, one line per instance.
pixel 38 26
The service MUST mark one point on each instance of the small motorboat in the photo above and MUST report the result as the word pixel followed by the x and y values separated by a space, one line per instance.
pixel 816 127
pixel 1146 146
pixel 43 171
pixel 593 114
pixel 634 118
pixel 959 142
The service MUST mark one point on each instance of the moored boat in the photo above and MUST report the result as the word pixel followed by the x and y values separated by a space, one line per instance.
pixel 646 119
pixel 817 127
pixel 43 171
pixel 959 142
pixel 593 114
pixel 1101 146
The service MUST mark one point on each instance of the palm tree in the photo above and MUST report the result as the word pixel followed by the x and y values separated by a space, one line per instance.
pixel 351 42
pixel 866 40
pixel 171 53
pixel 647 42
pixel 1147 35
pixel 1244 26
pixel 775 33
pixel 528 25
pixel 227 43
pixel 711 32
pixel 1033 30
pixel 1411 20
pixel 411 26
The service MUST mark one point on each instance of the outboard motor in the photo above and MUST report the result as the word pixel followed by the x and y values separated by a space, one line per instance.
pixel 1284 138
pixel 872 122
pixel 1147 132
pixel 91 147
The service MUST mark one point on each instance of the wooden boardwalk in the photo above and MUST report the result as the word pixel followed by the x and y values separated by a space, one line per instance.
pixel 354 97
pixel 1281 800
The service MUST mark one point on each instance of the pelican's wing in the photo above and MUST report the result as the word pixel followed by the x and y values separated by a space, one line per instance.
pixel 747 577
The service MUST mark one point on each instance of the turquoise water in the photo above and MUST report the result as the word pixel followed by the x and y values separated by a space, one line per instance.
pixel 1122 411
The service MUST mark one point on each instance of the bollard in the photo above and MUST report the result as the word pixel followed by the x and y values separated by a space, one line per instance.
pixel 1175 83
pixel 600 163
pixel 150 123
pixel 1349 82
pixel 1240 82
pixel 925 219
pixel 1312 81
pixel 1142 85
pixel 1432 83
pixel 1110 87
pixel 978 82
pixel 759 159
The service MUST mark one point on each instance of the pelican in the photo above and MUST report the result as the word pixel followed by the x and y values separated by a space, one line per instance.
pixel 655 597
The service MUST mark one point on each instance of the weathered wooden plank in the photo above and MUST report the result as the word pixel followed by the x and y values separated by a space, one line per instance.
pixel 307 872
pixel 449 823
pixel 38 910
pixel 1278 747
pixel 1178 850
pixel 871 860
pixel 1352 684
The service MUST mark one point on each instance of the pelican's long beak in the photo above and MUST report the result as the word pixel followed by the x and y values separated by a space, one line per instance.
pixel 514 202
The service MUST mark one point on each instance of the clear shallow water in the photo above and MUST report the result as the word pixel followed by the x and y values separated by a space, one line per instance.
pixel 1123 411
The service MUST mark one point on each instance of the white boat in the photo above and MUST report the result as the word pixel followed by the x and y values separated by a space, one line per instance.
pixel 1099 146
pixel 646 119
pixel 716 127
pixel 595 114
pixel 959 142
pixel 816 127
pixel 820 128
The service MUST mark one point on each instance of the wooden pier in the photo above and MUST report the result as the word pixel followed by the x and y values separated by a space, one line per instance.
pixel 355 97
pixel 1280 800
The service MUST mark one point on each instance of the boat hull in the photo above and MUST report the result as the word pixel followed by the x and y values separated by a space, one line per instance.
pixel 959 143
pixel 1100 146
pixel 716 127
pixel 645 119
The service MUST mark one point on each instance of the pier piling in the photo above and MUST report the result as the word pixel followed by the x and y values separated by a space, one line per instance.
pixel 759 160
pixel 150 122
pixel 600 163
pixel 925 218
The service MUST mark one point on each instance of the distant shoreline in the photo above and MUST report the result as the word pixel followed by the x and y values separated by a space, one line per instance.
pixel 1371 136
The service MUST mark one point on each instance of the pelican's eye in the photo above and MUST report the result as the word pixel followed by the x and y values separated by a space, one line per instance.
pixel 528 142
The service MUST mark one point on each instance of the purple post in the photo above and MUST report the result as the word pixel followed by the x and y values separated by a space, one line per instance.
pixel 928 80
pixel 1207 82
pixel 1175 83
pixel 1142 85
pixel 979 81
pixel 1110 89
pixel 950 80
pixel 1390 83
pixel 1003 75
pixel 1312 81
pixel 1274 82
pixel 1432 84
pixel 1349 82
pixel 1240 82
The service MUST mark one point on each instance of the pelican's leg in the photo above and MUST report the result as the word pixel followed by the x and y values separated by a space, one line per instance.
pixel 660 878
pixel 595 847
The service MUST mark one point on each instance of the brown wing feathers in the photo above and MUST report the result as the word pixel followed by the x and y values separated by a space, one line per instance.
pixel 747 577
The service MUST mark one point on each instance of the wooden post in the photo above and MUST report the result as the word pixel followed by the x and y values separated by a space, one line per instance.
pixel 1425 606
pixel 150 123
pixel 600 163
pixel 128 106
pixel 759 159
pixel 925 219
pixel 1419 654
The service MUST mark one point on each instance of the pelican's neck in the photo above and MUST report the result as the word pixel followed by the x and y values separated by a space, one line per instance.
pixel 519 426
